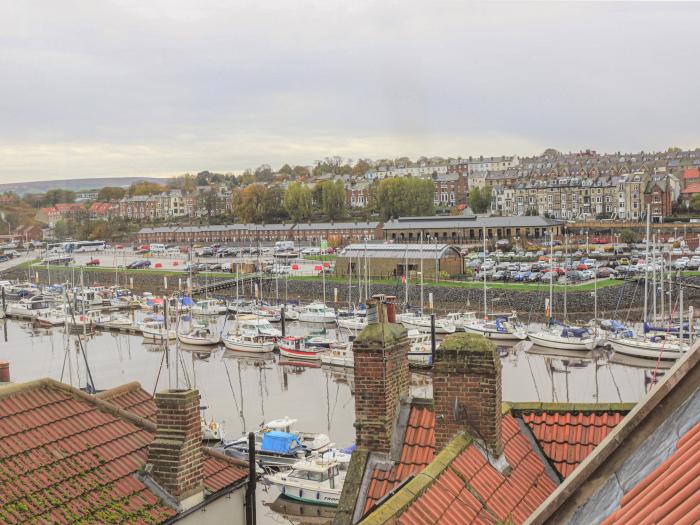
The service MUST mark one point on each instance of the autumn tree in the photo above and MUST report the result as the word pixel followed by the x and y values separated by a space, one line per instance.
pixel 298 201
pixel 145 188
pixel 111 193
pixel 249 203
pixel 333 199
pixel 403 196
pixel 480 199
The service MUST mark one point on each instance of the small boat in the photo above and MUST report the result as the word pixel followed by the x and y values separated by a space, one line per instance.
pixel 422 322
pixel 51 317
pixel 199 335
pixel 339 354
pixel 666 347
pixel 420 350
pixel 28 308
pixel 501 327
pixel 461 319
pixel 291 313
pixel 257 324
pixel 266 312
pixel 78 322
pixel 248 341
pixel 209 307
pixel 354 323
pixel 296 347
pixel 102 320
pixel 564 337
pixel 154 328
pixel 317 313
pixel 277 445
pixel 239 306
pixel 317 479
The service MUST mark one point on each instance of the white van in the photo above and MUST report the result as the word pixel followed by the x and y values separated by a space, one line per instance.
pixel 157 248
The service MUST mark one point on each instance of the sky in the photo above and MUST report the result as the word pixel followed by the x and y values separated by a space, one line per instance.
pixel 98 88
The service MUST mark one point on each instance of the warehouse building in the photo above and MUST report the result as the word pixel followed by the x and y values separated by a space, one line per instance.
pixel 468 228
pixel 394 260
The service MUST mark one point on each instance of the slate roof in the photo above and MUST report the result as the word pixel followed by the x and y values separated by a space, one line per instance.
pixel 399 251
pixel 670 494
pixel 67 456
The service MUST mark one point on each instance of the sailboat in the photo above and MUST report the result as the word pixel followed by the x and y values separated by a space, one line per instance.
pixel 248 341
pixel 560 335
pixel 501 327
pixel 199 335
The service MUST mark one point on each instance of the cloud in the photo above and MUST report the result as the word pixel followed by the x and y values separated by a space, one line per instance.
pixel 140 88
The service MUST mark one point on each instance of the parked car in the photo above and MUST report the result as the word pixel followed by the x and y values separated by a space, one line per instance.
pixel 139 264
pixel 93 262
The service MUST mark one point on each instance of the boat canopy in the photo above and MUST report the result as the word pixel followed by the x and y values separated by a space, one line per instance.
pixel 280 442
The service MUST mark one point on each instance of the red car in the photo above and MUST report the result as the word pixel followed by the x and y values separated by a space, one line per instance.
pixel 93 262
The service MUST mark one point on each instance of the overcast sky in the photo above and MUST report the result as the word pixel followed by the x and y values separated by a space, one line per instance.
pixel 117 88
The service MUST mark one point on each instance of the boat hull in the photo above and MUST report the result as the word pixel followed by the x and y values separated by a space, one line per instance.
pixel 328 498
pixel 646 349
pixel 563 343
pixel 198 341
pixel 495 334
pixel 309 355
pixel 253 348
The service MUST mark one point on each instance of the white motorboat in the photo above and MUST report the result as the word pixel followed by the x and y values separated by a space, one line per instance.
pixel 103 320
pixel 239 306
pixel 28 308
pixel 199 335
pixel 504 328
pixel 354 323
pixel 248 341
pixel 257 324
pixel 317 313
pixel 317 480
pixel 667 347
pixel 297 348
pixel 155 329
pixel 420 350
pixel 291 313
pixel 461 319
pixel 51 317
pixel 272 314
pixel 413 320
pixel 339 354
pixel 564 337
pixel 209 307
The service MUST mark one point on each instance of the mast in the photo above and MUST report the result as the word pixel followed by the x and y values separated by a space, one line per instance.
pixel 646 270
pixel 551 281
pixel 483 270
pixel 405 275
pixel 421 272
pixel 551 277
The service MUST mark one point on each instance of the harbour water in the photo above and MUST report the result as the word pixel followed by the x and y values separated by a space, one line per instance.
pixel 242 390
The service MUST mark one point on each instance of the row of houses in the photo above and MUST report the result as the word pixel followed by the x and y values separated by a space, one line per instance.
pixel 623 197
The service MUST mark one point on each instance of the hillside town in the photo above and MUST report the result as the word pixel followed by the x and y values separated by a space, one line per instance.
pixel 581 187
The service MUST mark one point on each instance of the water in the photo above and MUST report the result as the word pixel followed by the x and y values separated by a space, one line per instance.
pixel 242 391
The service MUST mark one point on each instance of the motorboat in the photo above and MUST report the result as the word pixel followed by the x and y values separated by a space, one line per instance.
pixel 154 328
pixel 339 354
pixel 278 445
pixel 290 312
pixel 266 312
pixel 239 306
pixel 110 321
pixel 209 307
pixel 317 479
pixel 415 320
pixel 354 323
pixel 248 341
pixel 564 337
pixel 52 317
pixel 297 347
pixel 420 350
pixel 317 313
pixel 199 335
pixel 28 308
pixel 260 325
pixel 501 327
pixel 461 319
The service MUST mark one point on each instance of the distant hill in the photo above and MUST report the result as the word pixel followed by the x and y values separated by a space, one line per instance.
pixel 75 184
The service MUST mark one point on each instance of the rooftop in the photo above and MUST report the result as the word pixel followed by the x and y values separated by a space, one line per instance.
pixel 400 251
pixel 68 456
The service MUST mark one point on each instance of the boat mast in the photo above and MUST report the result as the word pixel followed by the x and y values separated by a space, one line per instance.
pixel 646 269
pixel 653 276
pixel 405 275
pixel 421 272
pixel 551 281
pixel 483 270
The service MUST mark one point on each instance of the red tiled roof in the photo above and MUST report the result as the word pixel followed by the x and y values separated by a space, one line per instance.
pixel 670 494
pixel 567 438
pixel 418 451
pixel 471 490
pixel 691 173
pixel 132 398
pixel 693 187
pixel 69 457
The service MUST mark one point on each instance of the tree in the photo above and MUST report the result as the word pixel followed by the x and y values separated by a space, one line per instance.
pixel 111 193
pixel 286 170
pixel 629 236
pixel 272 205
pixel 480 199
pixel 405 196
pixel 248 203
pixel 333 199
pixel 694 204
pixel 58 196
pixel 145 188
pixel 298 201
pixel 301 172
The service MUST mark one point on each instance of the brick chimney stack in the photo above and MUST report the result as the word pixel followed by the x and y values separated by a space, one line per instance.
pixel 467 391
pixel 176 452
pixel 381 376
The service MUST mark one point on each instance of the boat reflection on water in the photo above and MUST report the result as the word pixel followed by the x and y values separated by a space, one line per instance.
pixel 249 359
pixel 640 362
pixel 301 513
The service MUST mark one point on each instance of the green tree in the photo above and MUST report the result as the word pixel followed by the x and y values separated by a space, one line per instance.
pixel 111 193
pixel 480 199
pixel 287 170
pixel 333 199
pixel 629 236
pixel 406 196
pixel 273 205
pixel 694 204
pixel 298 201
pixel 58 196
pixel 248 204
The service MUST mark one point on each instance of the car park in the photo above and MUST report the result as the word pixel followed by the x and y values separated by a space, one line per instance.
pixel 139 264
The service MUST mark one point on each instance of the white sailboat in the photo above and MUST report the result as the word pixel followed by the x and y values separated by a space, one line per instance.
pixel 354 323
pixel 155 329
pixel 199 335
pixel 317 313
pixel 417 321
pixel 209 307
pixel 339 354
pixel 248 341
pixel 500 327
